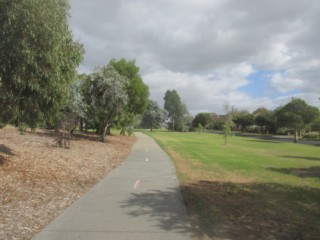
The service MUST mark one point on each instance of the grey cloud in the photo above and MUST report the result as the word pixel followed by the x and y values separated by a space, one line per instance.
pixel 203 37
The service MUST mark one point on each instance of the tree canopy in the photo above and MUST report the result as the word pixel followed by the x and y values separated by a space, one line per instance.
pixel 296 115
pixel 137 91
pixel 106 97
pixel 242 119
pixel 175 108
pixel 38 59
pixel 203 118
pixel 154 117
pixel 265 119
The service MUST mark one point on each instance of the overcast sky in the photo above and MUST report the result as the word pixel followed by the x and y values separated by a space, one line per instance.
pixel 243 52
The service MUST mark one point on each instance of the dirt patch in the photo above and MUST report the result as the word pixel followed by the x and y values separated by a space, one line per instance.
pixel 39 180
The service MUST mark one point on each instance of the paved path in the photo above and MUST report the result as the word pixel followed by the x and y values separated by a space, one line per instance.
pixel 139 200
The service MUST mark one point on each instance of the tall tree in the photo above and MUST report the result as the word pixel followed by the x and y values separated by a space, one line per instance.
pixel 154 117
pixel 38 58
pixel 296 115
pixel 203 118
pixel 107 97
pixel 137 91
pixel 265 119
pixel 176 109
pixel 315 126
pixel 242 119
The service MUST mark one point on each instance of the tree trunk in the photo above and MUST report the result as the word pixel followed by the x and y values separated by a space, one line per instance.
pixel 122 132
pixel 295 136
pixel 81 124
pixel 173 125
pixel 108 130
pixel 103 132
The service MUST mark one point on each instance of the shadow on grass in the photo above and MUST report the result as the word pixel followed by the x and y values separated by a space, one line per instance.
pixel 164 208
pixel 252 211
pixel 312 172
pixel 303 158
pixel 5 152
pixel 264 141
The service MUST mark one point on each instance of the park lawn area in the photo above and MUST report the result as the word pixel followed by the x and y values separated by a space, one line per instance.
pixel 248 189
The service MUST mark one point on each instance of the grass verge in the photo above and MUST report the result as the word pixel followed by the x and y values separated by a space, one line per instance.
pixel 248 189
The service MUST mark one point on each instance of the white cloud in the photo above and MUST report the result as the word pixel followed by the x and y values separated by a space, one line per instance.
pixel 206 49
pixel 201 92
pixel 285 84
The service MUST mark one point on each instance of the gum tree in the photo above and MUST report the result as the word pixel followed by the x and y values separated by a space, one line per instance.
pixel 176 109
pixel 154 117
pixel 106 97
pixel 38 59
pixel 136 89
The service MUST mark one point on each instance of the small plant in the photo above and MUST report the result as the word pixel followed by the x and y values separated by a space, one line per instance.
pixel 199 128
pixel 22 128
pixel 226 132
pixel 129 131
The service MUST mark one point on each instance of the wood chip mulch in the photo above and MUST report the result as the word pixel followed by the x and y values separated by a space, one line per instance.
pixel 39 180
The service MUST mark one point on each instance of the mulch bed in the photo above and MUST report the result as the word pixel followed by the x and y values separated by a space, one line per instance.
pixel 38 180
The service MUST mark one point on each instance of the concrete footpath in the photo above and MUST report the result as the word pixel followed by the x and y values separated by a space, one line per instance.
pixel 140 199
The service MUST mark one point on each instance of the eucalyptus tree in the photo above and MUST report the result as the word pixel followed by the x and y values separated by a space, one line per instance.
pixel 136 89
pixel 176 109
pixel 154 116
pixel 107 97
pixel 38 60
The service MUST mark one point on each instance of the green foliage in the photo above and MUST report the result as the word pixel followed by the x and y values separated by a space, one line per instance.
pixel 130 131
pixel 38 58
pixel 226 132
pixel 136 89
pixel 203 118
pixel 199 127
pixel 106 97
pixel 315 125
pixel 242 119
pixel 187 122
pixel 228 124
pixel 265 119
pixel 154 117
pixel 296 115
pixel 175 108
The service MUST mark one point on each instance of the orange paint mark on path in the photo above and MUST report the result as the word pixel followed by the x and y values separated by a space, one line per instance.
pixel 137 184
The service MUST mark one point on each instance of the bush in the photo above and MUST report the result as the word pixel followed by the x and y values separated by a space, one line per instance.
pixel 311 136
pixel 129 131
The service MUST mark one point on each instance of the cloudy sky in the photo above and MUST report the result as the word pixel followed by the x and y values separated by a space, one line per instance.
pixel 242 52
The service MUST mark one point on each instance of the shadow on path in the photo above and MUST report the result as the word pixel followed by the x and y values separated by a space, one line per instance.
pixel 161 207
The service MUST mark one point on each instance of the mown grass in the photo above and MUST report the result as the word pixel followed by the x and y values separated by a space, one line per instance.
pixel 248 189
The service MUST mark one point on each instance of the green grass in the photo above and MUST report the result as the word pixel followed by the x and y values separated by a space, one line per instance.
pixel 250 187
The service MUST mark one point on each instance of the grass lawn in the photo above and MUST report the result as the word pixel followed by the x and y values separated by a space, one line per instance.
pixel 248 189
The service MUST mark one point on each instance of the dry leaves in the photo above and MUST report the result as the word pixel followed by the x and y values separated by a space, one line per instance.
pixel 39 180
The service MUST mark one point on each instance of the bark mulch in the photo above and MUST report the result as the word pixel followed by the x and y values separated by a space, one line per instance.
pixel 38 180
